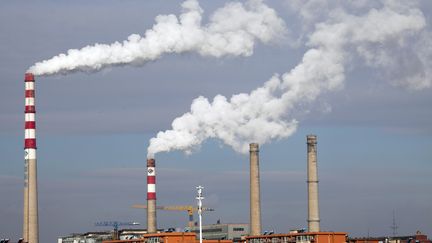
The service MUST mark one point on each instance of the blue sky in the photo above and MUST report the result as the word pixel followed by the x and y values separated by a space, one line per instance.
pixel 93 129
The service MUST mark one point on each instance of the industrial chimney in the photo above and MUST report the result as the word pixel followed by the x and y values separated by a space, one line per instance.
pixel 312 181
pixel 30 215
pixel 151 196
pixel 255 201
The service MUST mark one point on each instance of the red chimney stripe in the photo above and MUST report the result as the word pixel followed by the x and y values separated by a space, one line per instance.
pixel 151 196
pixel 151 179
pixel 30 109
pixel 29 77
pixel 30 125
pixel 29 93
pixel 30 143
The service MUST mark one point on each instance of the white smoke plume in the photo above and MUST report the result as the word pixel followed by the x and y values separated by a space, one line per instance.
pixel 232 30
pixel 375 36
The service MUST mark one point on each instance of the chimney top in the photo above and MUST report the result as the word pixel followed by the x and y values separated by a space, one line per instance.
pixel 311 139
pixel 29 77
pixel 151 163
pixel 254 147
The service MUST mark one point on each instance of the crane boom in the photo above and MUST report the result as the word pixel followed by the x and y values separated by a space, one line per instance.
pixel 174 208
pixel 115 225
pixel 189 208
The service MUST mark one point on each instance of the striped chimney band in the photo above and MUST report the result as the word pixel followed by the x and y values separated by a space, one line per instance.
pixel 151 179
pixel 30 123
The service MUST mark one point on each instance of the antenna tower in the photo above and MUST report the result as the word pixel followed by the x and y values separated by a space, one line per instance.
pixel 394 226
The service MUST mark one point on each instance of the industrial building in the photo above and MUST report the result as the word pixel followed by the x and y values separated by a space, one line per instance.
pixel 89 237
pixel 315 237
pixel 306 237
pixel 99 237
pixel 234 232
pixel 174 237
pixel 417 238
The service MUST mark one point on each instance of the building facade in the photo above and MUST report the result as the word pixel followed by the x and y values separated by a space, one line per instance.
pixel 307 237
pixel 99 237
pixel 233 232
pixel 417 238
pixel 168 237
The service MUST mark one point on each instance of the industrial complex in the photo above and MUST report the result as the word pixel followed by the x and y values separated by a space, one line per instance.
pixel 219 232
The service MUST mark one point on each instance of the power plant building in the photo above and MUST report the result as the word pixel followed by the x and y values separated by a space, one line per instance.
pixel 306 237
pixel 234 232
pixel 419 237
pixel 99 237
pixel 176 237
pixel 90 237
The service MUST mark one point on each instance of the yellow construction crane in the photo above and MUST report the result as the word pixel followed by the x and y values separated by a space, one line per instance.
pixel 189 208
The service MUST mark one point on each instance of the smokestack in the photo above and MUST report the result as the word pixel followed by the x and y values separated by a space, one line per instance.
pixel 30 216
pixel 255 201
pixel 312 181
pixel 151 196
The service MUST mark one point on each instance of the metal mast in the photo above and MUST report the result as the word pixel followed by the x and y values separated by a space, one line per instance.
pixel 200 198
pixel 394 226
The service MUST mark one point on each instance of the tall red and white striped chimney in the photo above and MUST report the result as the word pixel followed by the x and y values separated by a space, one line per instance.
pixel 30 216
pixel 151 196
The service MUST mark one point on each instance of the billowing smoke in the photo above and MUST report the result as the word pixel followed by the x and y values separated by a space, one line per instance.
pixel 232 30
pixel 380 37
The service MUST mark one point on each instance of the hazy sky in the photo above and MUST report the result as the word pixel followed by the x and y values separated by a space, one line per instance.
pixel 363 70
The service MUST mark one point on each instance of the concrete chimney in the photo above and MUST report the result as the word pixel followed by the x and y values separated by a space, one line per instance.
pixel 30 215
pixel 312 181
pixel 151 196
pixel 255 201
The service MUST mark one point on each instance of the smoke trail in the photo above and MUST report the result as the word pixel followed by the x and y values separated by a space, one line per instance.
pixel 267 112
pixel 232 30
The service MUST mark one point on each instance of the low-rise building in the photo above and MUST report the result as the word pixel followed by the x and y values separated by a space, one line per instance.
pixel 168 237
pixel 306 237
pixel 417 238
pixel 99 237
pixel 89 237
pixel 233 232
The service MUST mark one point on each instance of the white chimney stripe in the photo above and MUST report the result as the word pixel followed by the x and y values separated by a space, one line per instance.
pixel 29 101
pixel 29 86
pixel 151 171
pixel 30 133
pixel 30 153
pixel 29 117
pixel 151 188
